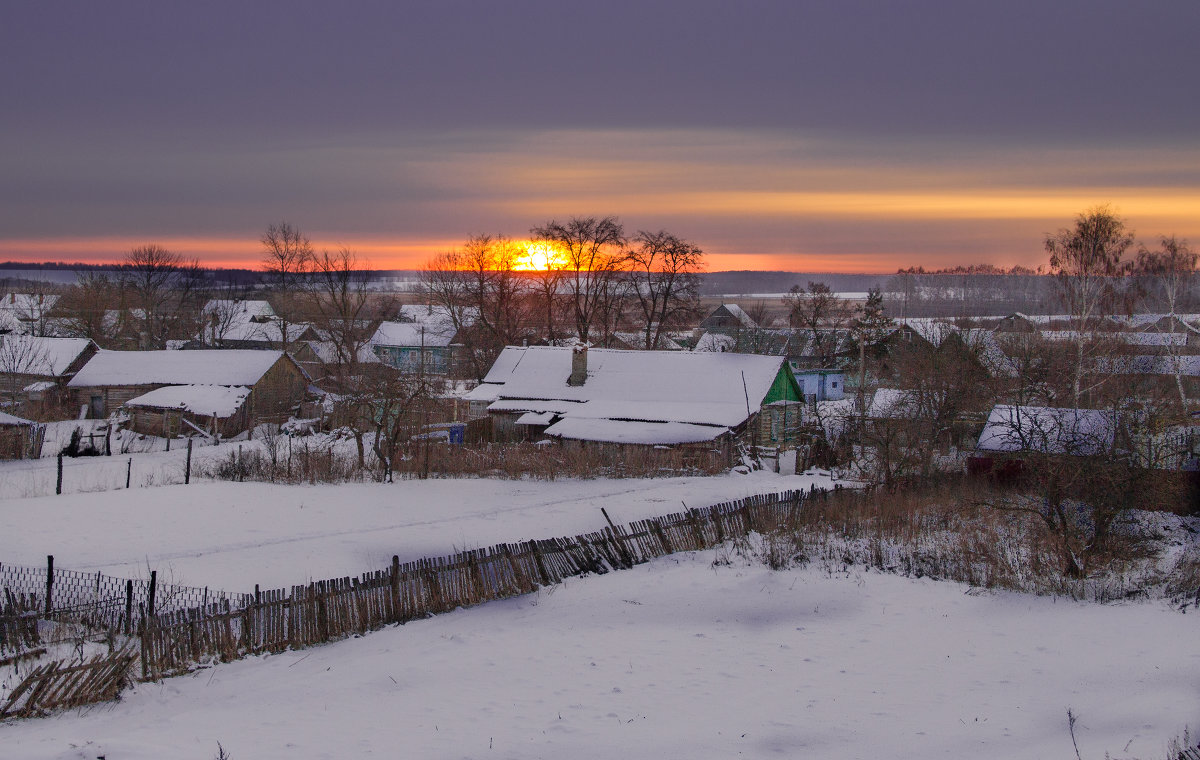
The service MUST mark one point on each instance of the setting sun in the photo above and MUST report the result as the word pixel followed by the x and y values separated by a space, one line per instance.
pixel 539 256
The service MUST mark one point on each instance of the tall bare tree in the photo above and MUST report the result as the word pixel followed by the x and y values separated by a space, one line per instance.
pixel 665 271
pixel 595 255
pixel 1170 277
pixel 346 314
pixel 1087 262
pixel 287 258
pixel 165 290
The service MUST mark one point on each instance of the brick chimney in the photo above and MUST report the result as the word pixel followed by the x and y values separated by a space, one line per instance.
pixel 578 365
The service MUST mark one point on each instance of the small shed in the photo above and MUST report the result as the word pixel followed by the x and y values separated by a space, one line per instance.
pixel 180 409
pixel 20 438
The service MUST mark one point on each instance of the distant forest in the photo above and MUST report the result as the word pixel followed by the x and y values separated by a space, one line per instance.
pixel 909 293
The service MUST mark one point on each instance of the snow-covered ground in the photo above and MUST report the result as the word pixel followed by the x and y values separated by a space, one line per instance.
pixel 681 659
pixel 232 536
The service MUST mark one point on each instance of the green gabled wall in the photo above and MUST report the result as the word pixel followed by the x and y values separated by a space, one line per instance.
pixel 785 387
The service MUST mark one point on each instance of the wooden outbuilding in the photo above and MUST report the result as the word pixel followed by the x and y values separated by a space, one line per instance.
pixel 223 391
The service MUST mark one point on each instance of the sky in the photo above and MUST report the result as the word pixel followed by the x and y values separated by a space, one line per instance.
pixel 791 135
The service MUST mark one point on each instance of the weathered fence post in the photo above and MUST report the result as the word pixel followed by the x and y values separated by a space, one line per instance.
pixel 108 442
pixel 128 471
pixel 541 565
pixel 150 594
pixel 50 577
pixel 187 469
pixel 58 484
pixel 128 606
pixel 395 580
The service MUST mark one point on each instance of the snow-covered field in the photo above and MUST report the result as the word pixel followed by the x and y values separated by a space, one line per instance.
pixel 681 658
pixel 678 659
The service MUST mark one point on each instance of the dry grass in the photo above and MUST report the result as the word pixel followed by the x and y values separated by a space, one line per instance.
pixel 512 461
pixel 944 533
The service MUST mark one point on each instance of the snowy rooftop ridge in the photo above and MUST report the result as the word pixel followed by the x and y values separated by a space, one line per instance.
pixel 715 389
pixel 208 367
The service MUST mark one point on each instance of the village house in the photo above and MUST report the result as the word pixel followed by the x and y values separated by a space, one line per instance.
pixel 423 340
pixel 646 398
pixel 34 371
pixel 173 392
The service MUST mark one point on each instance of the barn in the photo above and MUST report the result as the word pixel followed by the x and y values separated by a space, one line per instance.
pixel 171 392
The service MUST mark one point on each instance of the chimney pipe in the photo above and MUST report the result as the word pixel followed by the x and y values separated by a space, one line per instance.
pixel 578 365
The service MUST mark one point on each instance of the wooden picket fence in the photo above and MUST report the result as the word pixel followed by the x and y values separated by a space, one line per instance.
pixel 178 640
pixel 280 619
pixel 55 684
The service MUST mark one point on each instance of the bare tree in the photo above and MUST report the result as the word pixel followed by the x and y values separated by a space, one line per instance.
pixel 82 308
pixel 165 293
pixel 665 271
pixel 346 315
pixel 818 310
pixel 484 294
pixel 20 357
pixel 1083 469
pixel 1087 262
pixel 595 255
pixel 1170 275
pixel 287 258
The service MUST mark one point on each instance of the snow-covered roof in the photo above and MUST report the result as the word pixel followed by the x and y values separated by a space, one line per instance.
pixel 650 386
pixel 715 342
pixel 1155 338
pixel 1049 430
pixel 623 431
pixel 931 329
pixel 502 369
pixel 535 418
pixel 326 352
pixel 483 392
pixel 991 353
pixel 219 400
pixel 428 334
pixel 638 340
pixel 416 312
pixel 209 367
pixel 264 332
pixel 238 309
pixel 9 419
pixel 1142 321
pixel 727 311
pixel 46 356
pixel 1187 366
